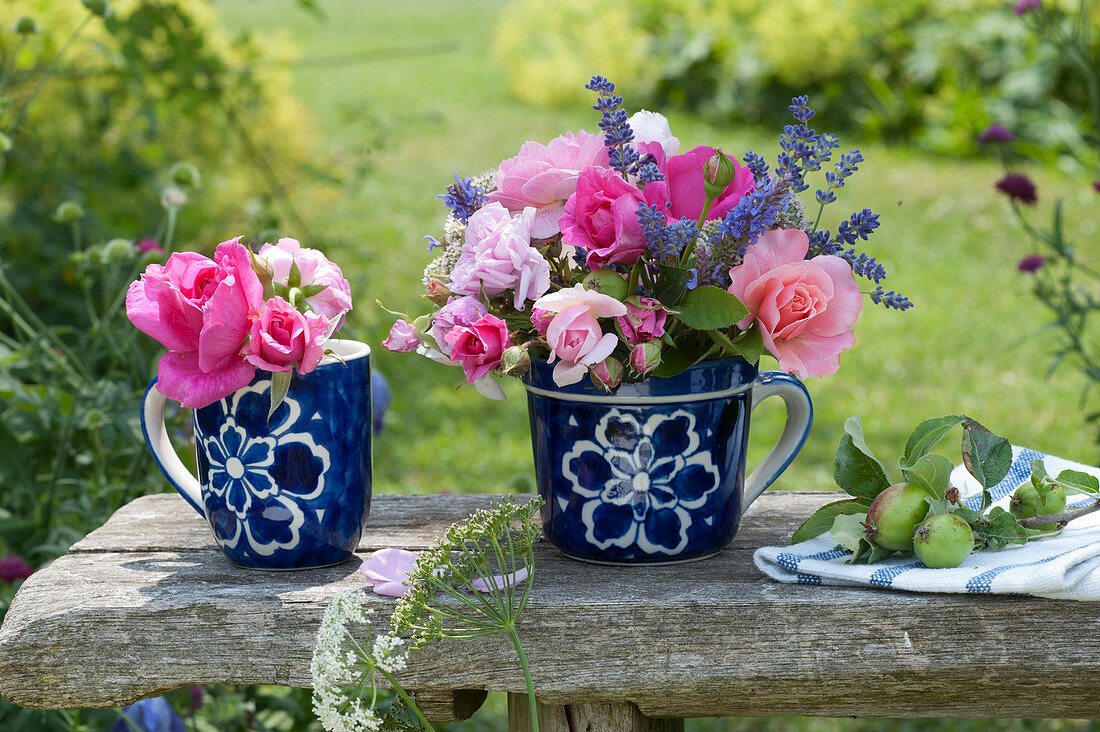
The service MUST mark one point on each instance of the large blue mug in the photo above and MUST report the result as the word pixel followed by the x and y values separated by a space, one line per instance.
pixel 289 492
pixel 655 473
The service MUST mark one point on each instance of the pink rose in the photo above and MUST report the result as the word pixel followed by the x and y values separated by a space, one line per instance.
pixel 460 312
pixel 644 320
pixel 805 308
pixel 681 193
pixel 334 301
pixel 574 335
pixel 602 218
pixel 543 177
pixel 479 346
pixel 540 320
pixel 201 310
pixel 284 337
pixel 498 256
pixel 403 337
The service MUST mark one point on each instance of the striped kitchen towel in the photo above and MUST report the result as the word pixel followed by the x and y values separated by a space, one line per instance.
pixel 1062 567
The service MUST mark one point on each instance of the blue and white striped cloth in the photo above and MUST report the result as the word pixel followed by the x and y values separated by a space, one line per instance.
pixel 1062 567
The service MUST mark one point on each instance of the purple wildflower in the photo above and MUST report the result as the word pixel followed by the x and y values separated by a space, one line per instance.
pixel 995 134
pixel 1018 187
pixel 13 569
pixel 1032 263
pixel 1022 7
pixel 1096 185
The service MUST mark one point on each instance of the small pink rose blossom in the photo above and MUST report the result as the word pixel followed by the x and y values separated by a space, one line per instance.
pixel 644 320
pixel 645 357
pixel 682 194
pixel 403 337
pixel 574 334
pixel 388 570
pixel 479 346
pixel 460 312
pixel 334 301
pixel 602 218
pixel 805 308
pixel 284 338
pixel 540 320
pixel 497 256
pixel 201 310
pixel 543 177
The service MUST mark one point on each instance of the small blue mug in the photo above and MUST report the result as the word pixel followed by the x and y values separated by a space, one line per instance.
pixel 655 473
pixel 289 492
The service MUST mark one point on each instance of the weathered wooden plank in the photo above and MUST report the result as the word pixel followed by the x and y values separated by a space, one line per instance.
pixel 620 717
pixel 711 638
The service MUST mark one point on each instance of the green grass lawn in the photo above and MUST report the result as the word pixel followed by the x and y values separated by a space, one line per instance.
pixel 433 102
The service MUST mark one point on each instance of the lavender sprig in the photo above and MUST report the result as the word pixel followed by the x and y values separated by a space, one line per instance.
pixel 665 241
pixel 622 157
pixel 890 300
pixel 463 198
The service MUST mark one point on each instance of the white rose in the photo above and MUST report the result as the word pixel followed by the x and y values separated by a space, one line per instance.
pixel 653 127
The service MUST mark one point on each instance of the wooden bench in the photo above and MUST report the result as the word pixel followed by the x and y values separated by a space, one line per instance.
pixel 147 603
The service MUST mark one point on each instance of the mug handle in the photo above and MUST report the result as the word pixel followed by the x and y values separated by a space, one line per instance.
pixel 156 439
pixel 800 415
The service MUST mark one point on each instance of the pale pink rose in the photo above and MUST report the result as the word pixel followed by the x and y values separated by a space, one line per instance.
pixel 653 127
pixel 283 338
pixel 201 310
pixel 403 337
pixel 543 177
pixel 388 570
pixel 460 312
pixel 334 301
pixel 497 256
pixel 602 218
pixel 479 346
pixel 644 320
pixel 575 337
pixel 601 305
pixel 681 193
pixel 805 308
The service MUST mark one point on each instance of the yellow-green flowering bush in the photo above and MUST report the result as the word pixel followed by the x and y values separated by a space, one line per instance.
pixel 936 71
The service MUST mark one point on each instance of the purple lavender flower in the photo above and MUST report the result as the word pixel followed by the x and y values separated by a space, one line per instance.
pixel 13 569
pixel 463 198
pixel 614 122
pixel 1022 7
pixel 995 134
pixel 1032 263
pixel 1018 187
pixel 890 300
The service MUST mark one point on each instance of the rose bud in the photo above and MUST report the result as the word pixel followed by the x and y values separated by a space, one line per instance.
pixel 540 320
pixel 717 174
pixel 607 374
pixel 515 361
pixel 645 357
pixel 438 293
pixel 403 337
pixel 644 320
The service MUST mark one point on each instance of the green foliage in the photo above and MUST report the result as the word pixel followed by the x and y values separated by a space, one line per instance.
pixel 931 71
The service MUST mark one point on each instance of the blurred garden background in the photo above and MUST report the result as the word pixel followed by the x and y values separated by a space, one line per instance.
pixel 138 126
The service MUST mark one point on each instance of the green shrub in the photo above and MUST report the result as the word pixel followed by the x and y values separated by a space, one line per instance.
pixel 934 71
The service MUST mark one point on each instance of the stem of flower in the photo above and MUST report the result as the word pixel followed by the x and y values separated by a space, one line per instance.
pixel 532 703
pixel 635 273
pixel 400 691
pixel 49 72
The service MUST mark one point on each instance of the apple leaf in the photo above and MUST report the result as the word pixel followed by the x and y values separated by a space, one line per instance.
pixel 926 436
pixel 671 285
pixel 823 518
pixel 750 344
pixel 932 473
pixel 848 531
pixel 987 456
pixel 997 529
pixel 855 468
pixel 1078 482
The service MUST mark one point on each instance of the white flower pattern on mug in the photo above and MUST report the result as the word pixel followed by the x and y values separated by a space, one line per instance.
pixel 240 475
pixel 640 481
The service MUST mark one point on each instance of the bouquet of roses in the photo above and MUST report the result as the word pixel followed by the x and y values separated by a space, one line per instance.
pixel 614 256
pixel 223 318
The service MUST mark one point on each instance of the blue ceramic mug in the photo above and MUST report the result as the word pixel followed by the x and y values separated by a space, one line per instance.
pixel 289 492
pixel 655 472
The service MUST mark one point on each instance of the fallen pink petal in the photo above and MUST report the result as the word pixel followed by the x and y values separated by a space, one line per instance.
pixel 482 585
pixel 388 569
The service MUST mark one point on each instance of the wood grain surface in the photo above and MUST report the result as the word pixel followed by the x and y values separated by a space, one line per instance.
pixel 147 603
